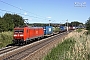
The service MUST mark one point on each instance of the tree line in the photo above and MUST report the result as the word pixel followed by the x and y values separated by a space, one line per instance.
pixel 87 24
pixel 9 21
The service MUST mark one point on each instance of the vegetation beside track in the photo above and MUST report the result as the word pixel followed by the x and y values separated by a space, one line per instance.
pixel 56 29
pixel 61 50
pixel 76 47
pixel 5 38
pixel 88 32
pixel 79 30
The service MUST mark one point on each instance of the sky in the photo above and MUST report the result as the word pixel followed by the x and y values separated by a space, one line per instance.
pixel 45 11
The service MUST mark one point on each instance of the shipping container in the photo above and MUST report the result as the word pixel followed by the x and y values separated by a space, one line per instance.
pixel 48 30
pixel 62 28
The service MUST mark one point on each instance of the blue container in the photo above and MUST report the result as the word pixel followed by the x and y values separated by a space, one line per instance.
pixel 62 28
pixel 48 30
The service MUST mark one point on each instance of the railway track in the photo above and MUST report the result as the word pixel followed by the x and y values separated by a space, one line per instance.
pixel 25 51
pixel 18 52
pixel 7 49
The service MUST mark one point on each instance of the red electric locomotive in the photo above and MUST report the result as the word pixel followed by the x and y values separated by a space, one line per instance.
pixel 26 34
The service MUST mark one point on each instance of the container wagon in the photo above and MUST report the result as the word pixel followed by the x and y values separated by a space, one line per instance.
pixel 62 29
pixel 48 30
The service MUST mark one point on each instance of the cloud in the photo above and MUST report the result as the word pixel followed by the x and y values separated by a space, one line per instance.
pixel 20 8
pixel 30 18
pixel 25 13
pixel 49 17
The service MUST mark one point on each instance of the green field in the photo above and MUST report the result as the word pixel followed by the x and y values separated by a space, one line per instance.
pixel 5 38
pixel 76 47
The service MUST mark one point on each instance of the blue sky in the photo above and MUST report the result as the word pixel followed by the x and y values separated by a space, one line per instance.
pixel 41 11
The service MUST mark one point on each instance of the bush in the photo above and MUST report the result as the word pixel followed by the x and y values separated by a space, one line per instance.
pixel 87 24
pixel 5 38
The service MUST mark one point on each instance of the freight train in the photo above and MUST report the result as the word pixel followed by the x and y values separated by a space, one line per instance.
pixel 27 34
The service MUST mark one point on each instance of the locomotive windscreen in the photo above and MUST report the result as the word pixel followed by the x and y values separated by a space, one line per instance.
pixel 18 31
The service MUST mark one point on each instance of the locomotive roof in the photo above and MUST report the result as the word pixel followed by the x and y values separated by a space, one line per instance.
pixel 28 27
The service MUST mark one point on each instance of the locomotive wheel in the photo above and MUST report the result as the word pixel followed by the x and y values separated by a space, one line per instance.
pixel 25 42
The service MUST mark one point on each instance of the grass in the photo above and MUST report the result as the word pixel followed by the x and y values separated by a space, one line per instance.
pixel 60 52
pixel 88 32
pixel 76 47
pixel 5 38
pixel 79 30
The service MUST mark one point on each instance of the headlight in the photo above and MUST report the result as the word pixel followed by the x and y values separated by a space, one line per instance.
pixel 21 35
pixel 15 35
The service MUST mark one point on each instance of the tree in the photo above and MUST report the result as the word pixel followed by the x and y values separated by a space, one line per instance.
pixel 76 23
pixel 88 24
pixel 18 21
pixel 2 25
pixel 9 21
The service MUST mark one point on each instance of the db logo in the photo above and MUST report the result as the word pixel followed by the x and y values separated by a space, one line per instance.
pixel 36 32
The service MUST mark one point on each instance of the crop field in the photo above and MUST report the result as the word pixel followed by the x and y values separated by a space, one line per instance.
pixel 76 46
pixel 5 38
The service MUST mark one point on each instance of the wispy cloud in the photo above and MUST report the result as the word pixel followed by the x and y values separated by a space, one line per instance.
pixel 25 13
pixel 49 17
pixel 20 8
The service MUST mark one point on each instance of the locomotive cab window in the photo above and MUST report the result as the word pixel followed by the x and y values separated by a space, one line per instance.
pixel 18 31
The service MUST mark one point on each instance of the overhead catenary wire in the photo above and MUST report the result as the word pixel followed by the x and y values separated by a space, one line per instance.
pixel 21 14
pixel 40 17
pixel 16 13
pixel 37 16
